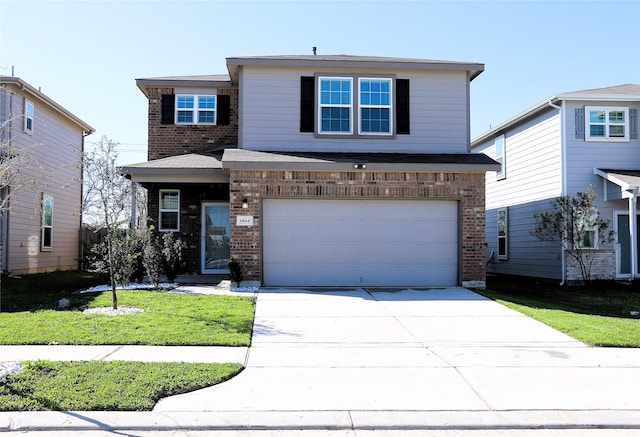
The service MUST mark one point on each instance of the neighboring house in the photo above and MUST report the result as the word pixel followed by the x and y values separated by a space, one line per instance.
pixel 320 170
pixel 41 231
pixel 559 147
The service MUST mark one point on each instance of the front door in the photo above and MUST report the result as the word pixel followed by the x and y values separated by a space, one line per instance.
pixel 215 238
pixel 623 245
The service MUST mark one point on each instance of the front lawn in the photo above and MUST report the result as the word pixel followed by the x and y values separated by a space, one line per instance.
pixel 105 385
pixel 168 319
pixel 600 315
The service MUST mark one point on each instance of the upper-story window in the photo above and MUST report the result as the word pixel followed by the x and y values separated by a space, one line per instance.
pixel 191 109
pixel 606 123
pixel 29 111
pixel 375 106
pixel 355 106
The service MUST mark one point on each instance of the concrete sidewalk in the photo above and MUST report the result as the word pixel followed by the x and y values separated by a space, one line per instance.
pixel 386 359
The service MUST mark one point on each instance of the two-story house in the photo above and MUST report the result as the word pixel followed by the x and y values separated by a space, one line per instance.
pixel 559 147
pixel 321 170
pixel 42 146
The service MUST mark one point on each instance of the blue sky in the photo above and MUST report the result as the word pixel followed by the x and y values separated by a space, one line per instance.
pixel 86 55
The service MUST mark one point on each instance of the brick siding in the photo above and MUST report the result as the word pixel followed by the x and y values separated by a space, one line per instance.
pixel 191 198
pixel 603 266
pixel 254 185
pixel 175 139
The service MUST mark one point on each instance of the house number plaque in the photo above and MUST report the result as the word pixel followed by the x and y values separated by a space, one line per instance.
pixel 244 220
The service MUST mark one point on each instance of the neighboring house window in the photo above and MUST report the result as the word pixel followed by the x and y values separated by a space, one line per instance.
pixel 47 222
pixel 191 109
pixel 500 157
pixel 606 123
pixel 169 219
pixel 28 116
pixel 503 234
pixel 375 106
pixel 335 112
pixel 586 227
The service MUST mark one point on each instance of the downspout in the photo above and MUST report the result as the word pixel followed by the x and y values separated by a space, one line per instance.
pixel 563 177
pixel 633 233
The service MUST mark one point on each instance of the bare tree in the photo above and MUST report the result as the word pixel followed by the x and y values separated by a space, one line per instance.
pixel 107 200
pixel 575 225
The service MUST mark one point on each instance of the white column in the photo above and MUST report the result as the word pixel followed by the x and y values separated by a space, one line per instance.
pixel 132 223
pixel 633 232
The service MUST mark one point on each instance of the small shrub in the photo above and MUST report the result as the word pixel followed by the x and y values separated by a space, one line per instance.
pixel 152 256
pixel 236 271
pixel 172 255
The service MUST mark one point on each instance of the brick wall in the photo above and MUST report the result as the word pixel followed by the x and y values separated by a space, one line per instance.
pixel 468 188
pixel 173 139
pixel 191 198
pixel 603 265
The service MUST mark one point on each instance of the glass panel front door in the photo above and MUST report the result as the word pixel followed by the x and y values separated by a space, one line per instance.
pixel 215 238
pixel 624 244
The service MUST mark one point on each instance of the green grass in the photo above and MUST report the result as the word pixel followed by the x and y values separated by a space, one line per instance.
pixel 105 385
pixel 42 291
pixel 599 315
pixel 168 319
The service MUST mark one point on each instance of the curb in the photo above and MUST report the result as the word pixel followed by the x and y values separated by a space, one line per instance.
pixel 318 420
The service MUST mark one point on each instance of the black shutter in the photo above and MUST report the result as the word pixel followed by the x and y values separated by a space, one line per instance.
pixel 167 108
pixel 224 110
pixel 579 124
pixel 307 103
pixel 403 123
pixel 633 123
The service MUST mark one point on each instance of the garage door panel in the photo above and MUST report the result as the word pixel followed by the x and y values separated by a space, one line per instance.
pixel 360 242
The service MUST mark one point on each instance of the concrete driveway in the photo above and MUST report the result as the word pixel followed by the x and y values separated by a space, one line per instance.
pixel 406 357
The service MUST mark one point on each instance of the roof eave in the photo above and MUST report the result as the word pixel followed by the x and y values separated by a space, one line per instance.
pixel 86 128
pixel 144 84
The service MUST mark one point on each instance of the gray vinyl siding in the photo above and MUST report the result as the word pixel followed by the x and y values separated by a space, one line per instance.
pixel 583 156
pixel 270 113
pixel 533 179
pixel 55 146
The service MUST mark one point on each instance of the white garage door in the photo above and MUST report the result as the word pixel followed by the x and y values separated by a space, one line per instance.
pixel 360 242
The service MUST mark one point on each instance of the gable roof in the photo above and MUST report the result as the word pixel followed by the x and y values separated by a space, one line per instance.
pixel 38 95
pixel 622 93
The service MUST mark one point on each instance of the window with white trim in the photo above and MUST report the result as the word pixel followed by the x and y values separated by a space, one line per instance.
pixel 193 109
pixel 47 223
pixel 606 123
pixel 500 157
pixel 336 108
pixel 366 110
pixel 169 211
pixel 29 111
pixel 375 106
pixel 503 233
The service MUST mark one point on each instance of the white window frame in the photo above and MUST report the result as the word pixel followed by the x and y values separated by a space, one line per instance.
pixel 163 210
pixel 607 124
pixel 505 237
pixel 47 223
pixel 335 105
pixel 362 106
pixel 501 158
pixel 355 107
pixel 29 111
pixel 197 110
